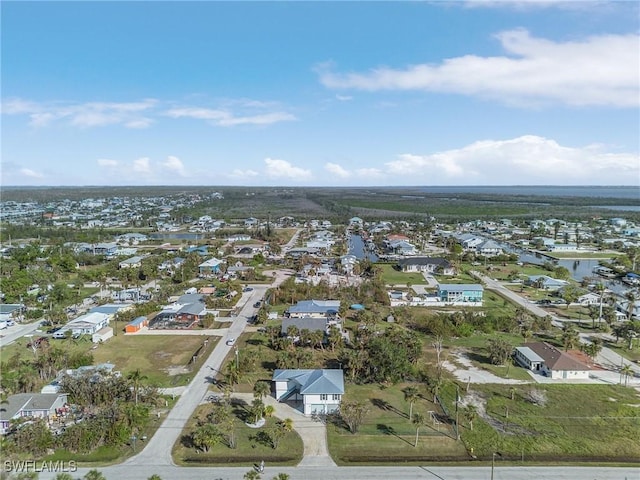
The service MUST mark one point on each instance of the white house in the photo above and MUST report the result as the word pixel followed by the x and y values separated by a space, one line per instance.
pixel 551 362
pixel 320 391
pixel 85 325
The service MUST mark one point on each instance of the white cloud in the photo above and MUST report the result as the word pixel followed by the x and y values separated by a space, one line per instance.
pixel 90 114
pixel 238 173
pixel 174 165
pixel 27 172
pixel 529 159
pixel 337 170
pixel 344 98
pixel 283 169
pixel 374 173
pixel 599 70
pixel 225 118
pixel 142 165
pixel 107 162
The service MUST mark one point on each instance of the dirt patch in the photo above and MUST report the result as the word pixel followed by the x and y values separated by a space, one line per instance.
pixel 172 371
pixel 502 426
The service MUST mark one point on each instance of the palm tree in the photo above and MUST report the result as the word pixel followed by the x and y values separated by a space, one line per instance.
pixel 469 413
pixel 418 421
pixel 626 371
pixel 269 410
pixel 281 476
pixel 94 475
pixel 136 378
pixel 261 389
pixel 631 303
pixel 411 395
pixel 155 476
pixel 252 475
pixel 570 337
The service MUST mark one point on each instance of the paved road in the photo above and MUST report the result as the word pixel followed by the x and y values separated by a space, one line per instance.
pixel 157 451
pixel 11 334
pixel 476 472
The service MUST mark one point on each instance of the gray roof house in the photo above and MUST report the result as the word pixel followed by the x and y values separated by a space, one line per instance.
pixel 38 405
pixel 315 391
pixel 312 324
pixel 314 308
pixel 426 264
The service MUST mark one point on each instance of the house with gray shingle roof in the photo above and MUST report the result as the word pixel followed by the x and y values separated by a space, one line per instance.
pixel 34 405
pixel 314 308
pixel 319 391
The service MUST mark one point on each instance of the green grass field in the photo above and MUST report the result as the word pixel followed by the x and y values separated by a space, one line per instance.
pixel 578 423
pixel 386 435
pixel 154 355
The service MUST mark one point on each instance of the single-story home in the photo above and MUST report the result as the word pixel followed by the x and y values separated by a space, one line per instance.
pixel 426 264
pixel 314 308
pixel 545 282
pixel 319 391
pixel 133 262
pixel 550 361
pixel 312 324
pixel 87 324
pixel 35 405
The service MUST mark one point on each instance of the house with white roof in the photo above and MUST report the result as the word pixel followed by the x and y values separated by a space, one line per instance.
pixel 319 391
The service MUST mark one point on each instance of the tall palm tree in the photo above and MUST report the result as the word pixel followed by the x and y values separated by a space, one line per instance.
pixel 411 395
pixel 626 371
pixel 418 421
pixel 136 378
pixel 631 303
pixel 570 337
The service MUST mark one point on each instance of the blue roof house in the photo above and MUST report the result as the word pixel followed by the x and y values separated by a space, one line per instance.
pixel 319 391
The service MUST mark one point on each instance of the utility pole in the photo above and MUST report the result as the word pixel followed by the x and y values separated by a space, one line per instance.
pixel 457 401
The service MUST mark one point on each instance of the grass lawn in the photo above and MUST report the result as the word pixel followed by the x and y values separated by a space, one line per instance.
pixel 155 355
pixel 391 276
pixel 386 435
pixel 578 423
pixel 249 448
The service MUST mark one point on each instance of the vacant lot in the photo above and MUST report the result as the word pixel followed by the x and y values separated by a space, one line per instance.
pixel 250 448
pixel 164 359
pixel 386 435
pixel 576 423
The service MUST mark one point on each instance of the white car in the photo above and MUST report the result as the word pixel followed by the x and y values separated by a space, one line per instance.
pixel 231 341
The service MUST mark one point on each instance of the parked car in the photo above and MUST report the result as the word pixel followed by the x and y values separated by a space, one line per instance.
pixel 53 330
pixel 231 341
pixel 247 289
pixel 257 304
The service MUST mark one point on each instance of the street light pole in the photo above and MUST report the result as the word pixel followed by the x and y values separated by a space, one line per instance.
pixel 493 461
pixel 237 362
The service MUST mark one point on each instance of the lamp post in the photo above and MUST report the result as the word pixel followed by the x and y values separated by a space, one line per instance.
pixel 133 442
pixel 493 461
pixel 237 362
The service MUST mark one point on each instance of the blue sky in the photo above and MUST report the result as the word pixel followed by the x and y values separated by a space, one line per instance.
pixel 320 93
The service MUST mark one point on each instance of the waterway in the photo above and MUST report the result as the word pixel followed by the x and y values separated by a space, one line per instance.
pixel 358 248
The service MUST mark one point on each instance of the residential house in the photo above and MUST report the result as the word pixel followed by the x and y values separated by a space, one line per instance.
pixel 544 358
pixel 313 324
pixel 86 324
pixel 314 308
pixel 210 267
pixel 545 282
pixel 590 298
pixel 319 391
pixel 426 264
pixel 10 311
pixel 133 262
pixel 467 294
pixel 488 248
pixel 185 312
pixel 32 405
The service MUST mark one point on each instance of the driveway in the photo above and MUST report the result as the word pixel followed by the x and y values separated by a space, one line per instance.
pixel 313 433
pixel 473 374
